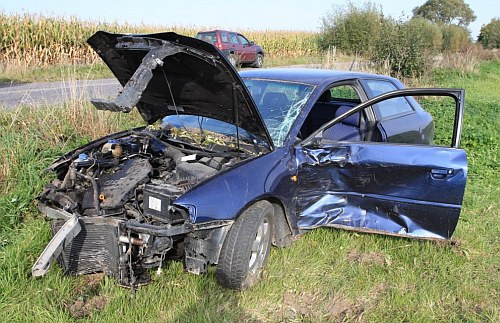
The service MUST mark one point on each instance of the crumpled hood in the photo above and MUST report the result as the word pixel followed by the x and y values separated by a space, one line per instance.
pixel 166 73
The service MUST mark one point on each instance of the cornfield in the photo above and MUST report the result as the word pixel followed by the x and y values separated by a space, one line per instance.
pixel 35 40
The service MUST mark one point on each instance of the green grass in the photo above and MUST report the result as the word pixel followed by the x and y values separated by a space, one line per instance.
pixel 288 61
pixel 328 275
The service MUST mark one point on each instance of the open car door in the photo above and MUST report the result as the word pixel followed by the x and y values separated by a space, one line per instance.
pixel 395 189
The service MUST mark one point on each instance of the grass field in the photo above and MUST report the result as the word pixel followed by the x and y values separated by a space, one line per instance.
pixel 328 275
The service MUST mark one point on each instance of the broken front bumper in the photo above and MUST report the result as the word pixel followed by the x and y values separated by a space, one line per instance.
pixel 125 248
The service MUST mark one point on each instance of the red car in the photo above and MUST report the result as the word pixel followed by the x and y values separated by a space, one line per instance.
pixel 237 48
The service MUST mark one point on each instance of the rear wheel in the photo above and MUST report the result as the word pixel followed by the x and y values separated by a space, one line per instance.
pixel 259 61
pixel 246 247
pixel 233 59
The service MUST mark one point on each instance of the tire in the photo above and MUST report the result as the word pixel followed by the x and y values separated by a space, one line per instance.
pixel 246 248
pixel 233 60
pixel 259 61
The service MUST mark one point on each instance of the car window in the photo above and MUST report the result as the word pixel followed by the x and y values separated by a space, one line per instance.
pixel 344 92
pixel 223 37
pixel 279 104
pixel 209 37
pixel 388 108
pixel 243 40
pixel 331 103
pixel 233 39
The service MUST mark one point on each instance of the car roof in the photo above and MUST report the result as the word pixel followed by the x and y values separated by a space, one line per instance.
pixel 217 30
pixel 311 76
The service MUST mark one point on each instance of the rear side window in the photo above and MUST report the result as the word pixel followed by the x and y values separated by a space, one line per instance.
pixel 344 92
pixel 388 108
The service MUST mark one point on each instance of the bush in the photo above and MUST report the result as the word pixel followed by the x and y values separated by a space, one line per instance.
pixel 455 38
pixel 428 34
pixel 353 30
pixel 406 47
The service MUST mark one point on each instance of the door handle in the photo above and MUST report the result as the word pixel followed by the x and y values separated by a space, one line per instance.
pixel 441 173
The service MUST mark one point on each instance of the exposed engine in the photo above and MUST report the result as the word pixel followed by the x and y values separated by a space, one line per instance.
pixel 122 189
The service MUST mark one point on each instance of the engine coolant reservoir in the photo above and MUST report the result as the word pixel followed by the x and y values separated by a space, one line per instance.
pixel 113 146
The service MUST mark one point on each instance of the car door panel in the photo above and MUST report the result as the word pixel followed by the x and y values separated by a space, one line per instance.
pixel 248 53
pixel 390 188
pixel 394 189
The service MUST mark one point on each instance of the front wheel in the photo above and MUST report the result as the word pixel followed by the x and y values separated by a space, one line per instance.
pixel 259 61
pixel 246 247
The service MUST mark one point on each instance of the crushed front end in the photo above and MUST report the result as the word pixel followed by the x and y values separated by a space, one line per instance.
pixel 113 210
pixel 113 204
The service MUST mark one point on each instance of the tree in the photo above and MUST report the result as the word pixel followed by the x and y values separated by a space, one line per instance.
pixel 489 36
pixel 446 12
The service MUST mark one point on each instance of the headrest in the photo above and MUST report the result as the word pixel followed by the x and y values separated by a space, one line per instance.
pixel 352 120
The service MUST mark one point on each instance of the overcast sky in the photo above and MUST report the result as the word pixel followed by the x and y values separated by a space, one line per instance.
pixel 228 14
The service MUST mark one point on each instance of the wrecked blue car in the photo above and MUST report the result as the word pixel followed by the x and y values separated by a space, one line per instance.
pixel 231 164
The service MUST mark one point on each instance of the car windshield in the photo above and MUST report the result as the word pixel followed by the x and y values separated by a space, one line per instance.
pixel 212 134
pixel 279 103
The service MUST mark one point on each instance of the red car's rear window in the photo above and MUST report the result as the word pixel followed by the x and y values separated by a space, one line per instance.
pixel 209 37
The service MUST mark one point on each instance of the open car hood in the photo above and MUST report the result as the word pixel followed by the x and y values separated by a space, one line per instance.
pixel 166 74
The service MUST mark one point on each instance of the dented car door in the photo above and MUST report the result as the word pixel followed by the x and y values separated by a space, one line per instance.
pixel 396 189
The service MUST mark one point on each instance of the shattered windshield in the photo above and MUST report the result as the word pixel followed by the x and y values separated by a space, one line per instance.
pixel 279 103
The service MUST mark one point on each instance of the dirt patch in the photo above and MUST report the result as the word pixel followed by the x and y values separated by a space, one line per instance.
pixel 454 245
pixel 371 258
pixel 88 284
pixel 299 304
pixel 377 292
pixel 447 243
pixel 87 296
pixel 340 308
pixel 266 311
pixel 82 308
pixel 312 306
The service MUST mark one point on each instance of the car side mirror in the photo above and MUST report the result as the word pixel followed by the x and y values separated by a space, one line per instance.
pixel 251 43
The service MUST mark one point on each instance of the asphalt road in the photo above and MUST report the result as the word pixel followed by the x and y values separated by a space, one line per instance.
pixel 53 93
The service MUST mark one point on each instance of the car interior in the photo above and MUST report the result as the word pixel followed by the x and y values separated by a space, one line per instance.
pixel 331 104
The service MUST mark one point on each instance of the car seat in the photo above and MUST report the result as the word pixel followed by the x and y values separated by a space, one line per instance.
pixel 346 130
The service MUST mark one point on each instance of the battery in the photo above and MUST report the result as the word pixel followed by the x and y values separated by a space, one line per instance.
pixel 158 199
